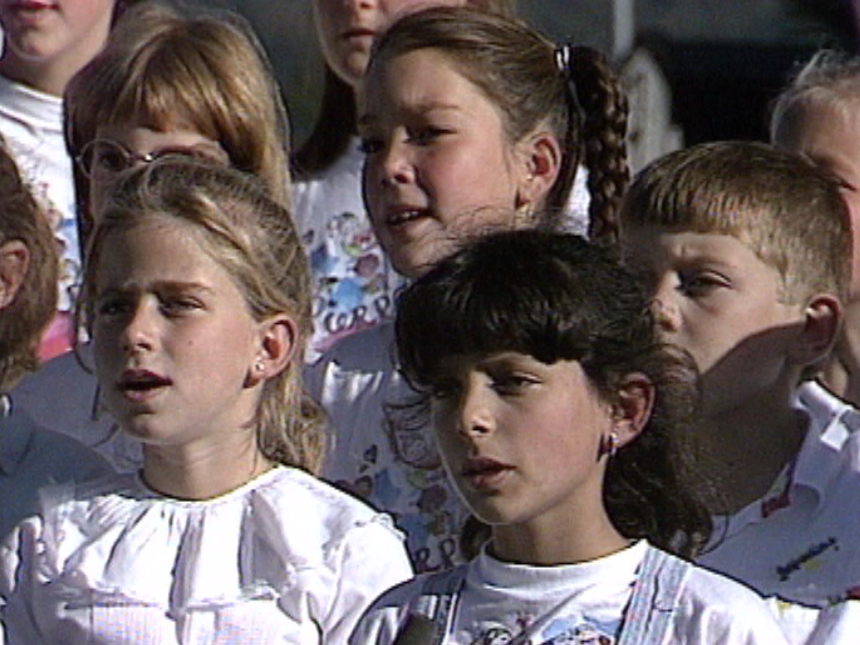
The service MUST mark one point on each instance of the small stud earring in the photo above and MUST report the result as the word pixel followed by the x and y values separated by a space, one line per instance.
pixel 609 444
pixel 258 366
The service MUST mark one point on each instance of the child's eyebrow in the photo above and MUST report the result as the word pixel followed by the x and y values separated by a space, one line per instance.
pixel 369 118
pixel 163 286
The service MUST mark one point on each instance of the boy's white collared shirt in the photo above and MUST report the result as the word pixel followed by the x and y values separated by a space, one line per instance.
pixel 801 541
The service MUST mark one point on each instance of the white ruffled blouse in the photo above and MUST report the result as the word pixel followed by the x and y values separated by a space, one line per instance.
pixel 284 559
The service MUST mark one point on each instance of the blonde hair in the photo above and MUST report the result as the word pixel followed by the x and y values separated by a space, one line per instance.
pixel 785 209
pixel 23 320
pixel 254 239
pixel 829 79
pixel 206 71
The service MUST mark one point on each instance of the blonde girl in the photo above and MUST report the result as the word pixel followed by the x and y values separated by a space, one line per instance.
pixel 169 81
pixel 196 292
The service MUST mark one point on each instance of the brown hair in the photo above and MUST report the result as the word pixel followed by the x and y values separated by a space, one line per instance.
pixel 24 319
pixel 336 121
pixel 205 70
pixel 785 209
pixel 534 84
pixel 254 238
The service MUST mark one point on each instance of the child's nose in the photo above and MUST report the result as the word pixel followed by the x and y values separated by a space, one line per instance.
pixel 139 333
pixel 666 314
pixel 396 166
pixel 476 415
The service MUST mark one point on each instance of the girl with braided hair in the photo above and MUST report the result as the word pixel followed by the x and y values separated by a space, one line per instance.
pixel 470 122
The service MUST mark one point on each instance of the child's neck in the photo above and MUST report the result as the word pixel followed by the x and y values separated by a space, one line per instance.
pixel 49 76
pixel 201 474
pixel 744 452
pixel 556 545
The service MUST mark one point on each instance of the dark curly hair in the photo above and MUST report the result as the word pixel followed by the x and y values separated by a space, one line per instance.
pixel 557 297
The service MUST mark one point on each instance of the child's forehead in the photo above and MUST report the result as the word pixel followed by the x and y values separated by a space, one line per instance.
pixel 655 244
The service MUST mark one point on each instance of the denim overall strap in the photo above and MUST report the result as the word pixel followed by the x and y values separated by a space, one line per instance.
pixel 432 612
pixel 655 598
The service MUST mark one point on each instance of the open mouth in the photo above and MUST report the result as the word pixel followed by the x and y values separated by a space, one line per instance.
pixel 404 216
pixel 136 383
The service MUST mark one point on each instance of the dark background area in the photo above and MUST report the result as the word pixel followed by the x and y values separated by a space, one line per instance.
pixel 725 60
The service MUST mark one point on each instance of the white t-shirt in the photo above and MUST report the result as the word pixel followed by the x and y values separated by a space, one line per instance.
pixel 395 467
pixel 31 122
pixel 801 541
pixel 575 604
pixel 283 559
pixel 353 281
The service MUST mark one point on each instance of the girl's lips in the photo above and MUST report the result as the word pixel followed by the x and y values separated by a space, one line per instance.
pixel 403 215
pixel 141 384
pixel 358 32
pixel 483 473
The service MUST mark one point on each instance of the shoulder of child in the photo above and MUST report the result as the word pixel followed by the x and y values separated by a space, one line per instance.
pixel 716 609
pixel 390 612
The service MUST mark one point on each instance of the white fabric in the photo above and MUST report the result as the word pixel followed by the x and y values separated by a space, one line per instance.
pixel 801 541
pixel 62 396
pixel 576 604
pixel 283 559
pixel 353 281
pixel 31 122
pixel 837 624
pixel 397 469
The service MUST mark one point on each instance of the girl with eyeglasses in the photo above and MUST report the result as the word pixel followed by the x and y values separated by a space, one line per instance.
pixel 168 82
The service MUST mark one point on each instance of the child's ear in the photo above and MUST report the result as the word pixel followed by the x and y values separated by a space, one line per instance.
pixel 821 322
pixel 632 407
pixel 540 162
pixel 278 344
pixel 14 262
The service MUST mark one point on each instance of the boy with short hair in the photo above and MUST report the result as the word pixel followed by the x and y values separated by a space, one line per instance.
pixel 747 250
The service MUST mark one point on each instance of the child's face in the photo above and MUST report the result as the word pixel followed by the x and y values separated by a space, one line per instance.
pixel 715 298
pixel 348 28
pixel 117 147
pixel 831 139
pixel 175 344
pixel 439 164
pixel 521 439
pixel 45 30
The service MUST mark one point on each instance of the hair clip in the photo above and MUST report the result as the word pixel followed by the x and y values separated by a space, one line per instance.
pixel 564 63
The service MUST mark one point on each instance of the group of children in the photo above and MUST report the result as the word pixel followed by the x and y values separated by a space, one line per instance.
pixel 553 429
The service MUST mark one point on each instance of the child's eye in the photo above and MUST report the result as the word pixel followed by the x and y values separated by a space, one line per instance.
pixel 178 306
pixel 702 283
pixel 370 145
pixel 424 136
pixel 513 383
pixel 443 390
pixel 112 307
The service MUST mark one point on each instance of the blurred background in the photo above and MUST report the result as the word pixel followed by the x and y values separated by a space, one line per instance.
pixel 697 70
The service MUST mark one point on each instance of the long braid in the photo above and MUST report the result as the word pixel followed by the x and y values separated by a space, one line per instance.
pixel 603 139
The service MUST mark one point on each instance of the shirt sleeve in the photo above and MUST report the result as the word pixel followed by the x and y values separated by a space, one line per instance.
pixel 371 560
pixel 18 581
